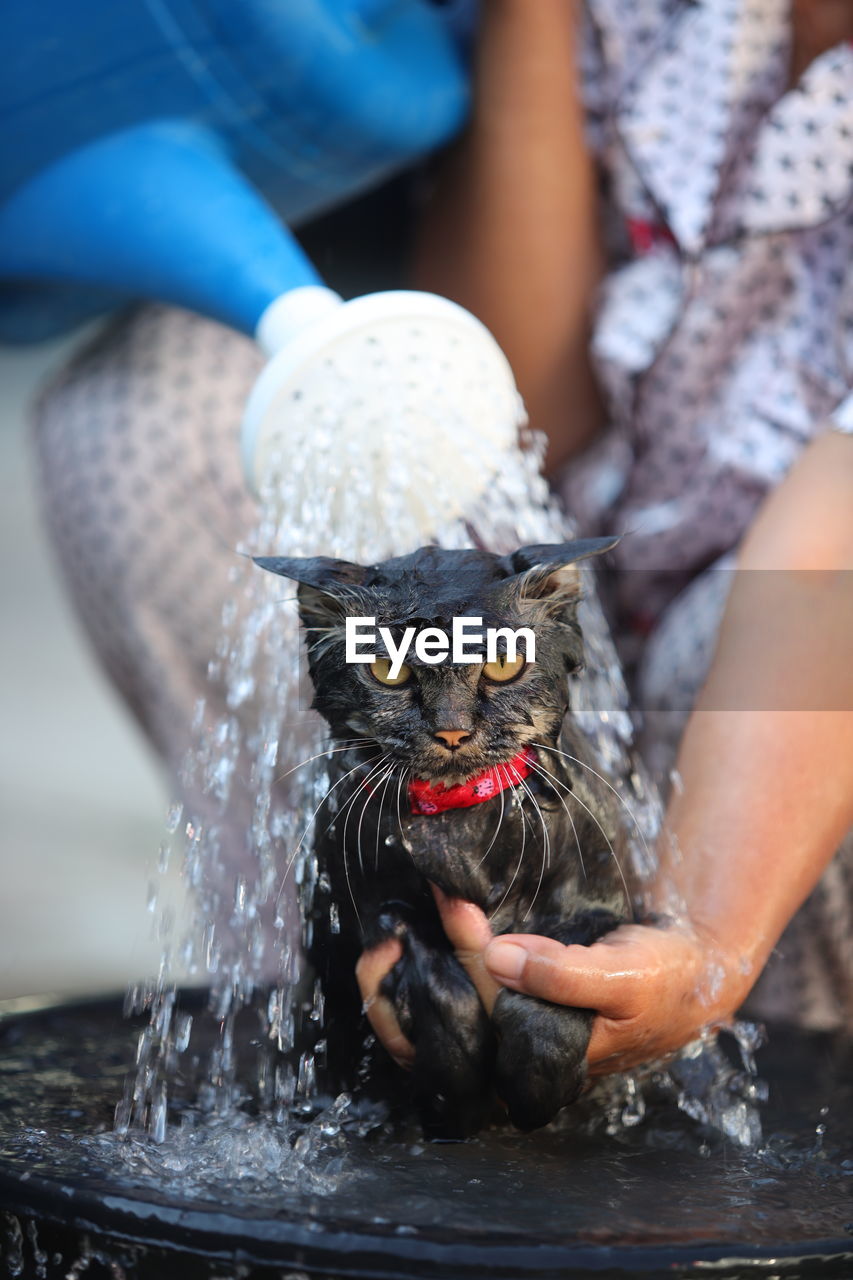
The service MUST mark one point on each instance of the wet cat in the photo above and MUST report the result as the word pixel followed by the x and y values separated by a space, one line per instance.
pixel 471 775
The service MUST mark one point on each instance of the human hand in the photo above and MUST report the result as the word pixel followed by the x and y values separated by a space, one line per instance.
pixel 473 933
pixel 654 988
pixel 372 967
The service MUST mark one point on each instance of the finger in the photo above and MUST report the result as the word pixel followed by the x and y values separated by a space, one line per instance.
pixel 372 967
pixel 602 976
pixel 464 923
pixel 469 934
pixel 383 1019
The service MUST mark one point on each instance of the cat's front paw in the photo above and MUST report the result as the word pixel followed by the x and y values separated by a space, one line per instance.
pixel 440 1012
pixel 540 1065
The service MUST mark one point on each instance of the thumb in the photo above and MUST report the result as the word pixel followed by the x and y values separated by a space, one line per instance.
pixel 468 932
pixel 601 976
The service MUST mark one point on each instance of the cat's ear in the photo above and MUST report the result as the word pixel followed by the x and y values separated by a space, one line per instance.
pixel 547 572
pixel 326 586
pixel 314 571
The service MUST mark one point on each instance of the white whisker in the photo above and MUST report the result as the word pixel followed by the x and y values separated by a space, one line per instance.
pixel 497 829
pixel 520 856
pixel 540 769
pixel 327 751
pixel 388 776
pixel 652 861
pixel 377 760
pixel 546 846
pixel 307 826
pixel 399 815
pixel 384 779
pixel 350 804
pixel 577 798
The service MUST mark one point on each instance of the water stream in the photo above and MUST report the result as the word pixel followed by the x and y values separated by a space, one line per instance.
pixel 250 915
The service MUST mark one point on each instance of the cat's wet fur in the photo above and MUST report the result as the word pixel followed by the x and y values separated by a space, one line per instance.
pixel 545 857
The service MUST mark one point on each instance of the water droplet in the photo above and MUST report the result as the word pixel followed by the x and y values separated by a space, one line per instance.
pixel 676 782
pixel 163 854
pixel 173 818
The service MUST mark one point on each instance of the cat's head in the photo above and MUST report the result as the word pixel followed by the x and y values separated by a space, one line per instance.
pixel 448 720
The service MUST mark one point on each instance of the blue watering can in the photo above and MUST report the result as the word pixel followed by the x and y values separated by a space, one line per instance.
pixel 156 148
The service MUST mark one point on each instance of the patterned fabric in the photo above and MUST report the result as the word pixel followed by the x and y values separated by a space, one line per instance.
pixel 139 467
pixel 723 340
pixel 723 337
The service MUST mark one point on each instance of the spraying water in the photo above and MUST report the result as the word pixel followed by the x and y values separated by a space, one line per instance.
pixel 346 480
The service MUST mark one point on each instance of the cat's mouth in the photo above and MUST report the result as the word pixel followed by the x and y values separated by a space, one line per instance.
pixel 465 765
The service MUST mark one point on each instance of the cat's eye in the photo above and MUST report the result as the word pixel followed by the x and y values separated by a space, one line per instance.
pixel 381 671
pixel 503 670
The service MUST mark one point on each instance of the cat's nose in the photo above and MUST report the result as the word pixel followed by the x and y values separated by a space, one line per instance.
pixel 452 738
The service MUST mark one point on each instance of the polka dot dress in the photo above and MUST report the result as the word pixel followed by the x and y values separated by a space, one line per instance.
pixel 138 455
pixel 723 340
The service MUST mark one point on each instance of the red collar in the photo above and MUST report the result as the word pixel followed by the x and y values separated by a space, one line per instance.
pixel 424 797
